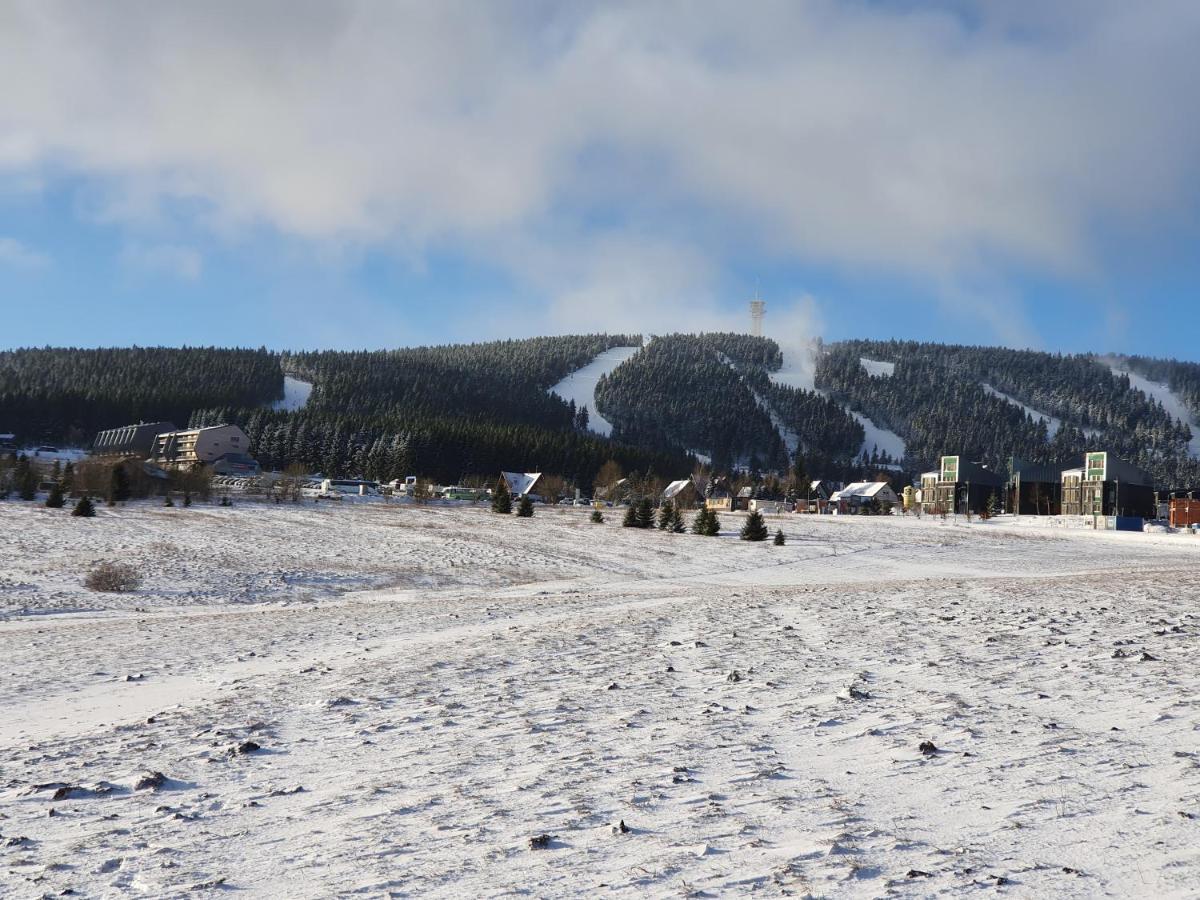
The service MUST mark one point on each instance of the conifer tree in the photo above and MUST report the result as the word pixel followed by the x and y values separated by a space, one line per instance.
pixel 597 516
pixel 713 525
pixel 26 478
pixel 700 522
pixel 631 517
pixel 55 500
pixel 118 490
pixel 502 498
pixel 755 528
pixel 645 513
pixel 525 507
pixel 676 525
pixel 84 508
pixel 780 540
pixel 666 513
pixel 68 477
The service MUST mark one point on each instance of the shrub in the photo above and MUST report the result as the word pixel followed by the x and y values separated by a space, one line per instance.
pixel 113 578
pixel 502 498
pixel 84 508
pixel 755 528
pixel 55 500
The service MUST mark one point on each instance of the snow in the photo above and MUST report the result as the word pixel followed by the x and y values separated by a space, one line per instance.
pixel 752 713
pixel 580 385
pixel 1170 401
pixel 295 394
pixel 799 371
pixel 877 367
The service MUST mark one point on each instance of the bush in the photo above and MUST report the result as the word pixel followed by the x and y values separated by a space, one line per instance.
pixel 84 508
pixel 113 578
pixel 55 500
pixel 502 498
pixel 755 528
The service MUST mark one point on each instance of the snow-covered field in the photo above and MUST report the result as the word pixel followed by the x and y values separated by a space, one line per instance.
pixel 429 689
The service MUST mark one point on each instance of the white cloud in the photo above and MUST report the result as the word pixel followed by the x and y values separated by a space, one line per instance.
pixel 21 256
pixel 163 259
pixel 867 136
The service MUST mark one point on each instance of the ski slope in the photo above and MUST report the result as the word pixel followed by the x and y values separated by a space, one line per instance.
pixel 580 385
pixel 1052 424
pixel 799 371
pixel 1170 402
pixel 295 394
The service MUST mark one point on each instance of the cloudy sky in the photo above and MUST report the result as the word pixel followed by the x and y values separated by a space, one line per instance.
pixel 376 174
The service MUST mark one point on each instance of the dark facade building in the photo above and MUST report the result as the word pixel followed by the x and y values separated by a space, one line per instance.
pixel 1107 486
pixel 961 487
pixel 131 440
pixel 1034 489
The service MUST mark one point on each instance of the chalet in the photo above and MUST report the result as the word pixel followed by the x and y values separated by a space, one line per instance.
pixel 682 493
pixel 1034 489
pixel 521 484
pixel 130 440
pixel 962 486
pixel 860 495
pixel 206 446
pixel 1107 486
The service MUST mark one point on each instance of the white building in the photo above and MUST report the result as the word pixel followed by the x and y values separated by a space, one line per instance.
pixel 854 497
pixel 522 483
pixel 183 449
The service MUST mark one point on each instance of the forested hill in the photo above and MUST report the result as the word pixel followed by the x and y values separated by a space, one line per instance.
pixel 458 410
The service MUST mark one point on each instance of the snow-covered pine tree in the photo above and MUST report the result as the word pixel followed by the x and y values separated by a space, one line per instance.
pixel 755 528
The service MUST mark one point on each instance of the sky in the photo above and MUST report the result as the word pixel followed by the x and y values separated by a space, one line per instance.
pixel 347 175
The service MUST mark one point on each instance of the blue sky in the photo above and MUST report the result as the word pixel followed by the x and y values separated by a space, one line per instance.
pixel 366 175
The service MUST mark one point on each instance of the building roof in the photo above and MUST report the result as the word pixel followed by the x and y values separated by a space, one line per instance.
pixel 520 483
pixel 862 489
pixel 675 488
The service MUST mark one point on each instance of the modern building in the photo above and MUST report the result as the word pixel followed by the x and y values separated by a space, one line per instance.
pixel 1107 486
pixel 130 440
pixel 962 486
pixel 1034 489
pixel 184 449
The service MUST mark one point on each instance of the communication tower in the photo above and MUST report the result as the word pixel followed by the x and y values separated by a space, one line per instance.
pixel 758 309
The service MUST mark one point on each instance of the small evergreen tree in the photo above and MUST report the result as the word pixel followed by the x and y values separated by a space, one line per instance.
pixel 713 528
pixel 597 516
pixel 755 528
pixel 780 540
pixel 645 513
pixel 55 500
pixel 525 507
pixel 26 478
pixel 502 498
pixel 631 517
pixel 68 477
pixel 187 498
pixel 700 522
pixel 118 490
pixel 993 506
pixel 167 501
pixel 676 525
pixel 84 508
pixel 666 513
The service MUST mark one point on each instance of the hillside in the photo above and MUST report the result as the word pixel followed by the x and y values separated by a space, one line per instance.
pixel 470 409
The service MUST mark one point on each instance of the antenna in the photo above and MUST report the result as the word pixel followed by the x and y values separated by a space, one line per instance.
pixel 758 309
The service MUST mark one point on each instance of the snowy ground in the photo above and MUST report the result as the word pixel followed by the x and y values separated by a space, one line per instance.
pixel 580 385
pixel 752 713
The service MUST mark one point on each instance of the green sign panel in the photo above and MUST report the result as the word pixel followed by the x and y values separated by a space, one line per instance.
pixel 1097 466
pixel 949 468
